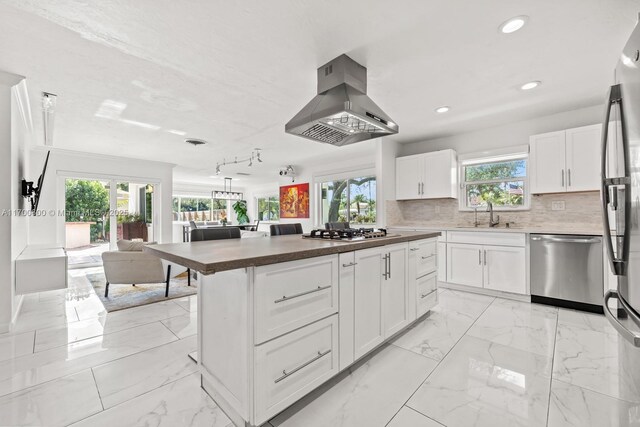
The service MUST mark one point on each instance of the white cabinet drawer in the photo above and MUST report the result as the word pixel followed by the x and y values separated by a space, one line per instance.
pixel 291 366
pixel 427 288
pixel 293 294
pixel 427 264
pixel 427 284
pixel 426 255
pixel 486 238
pixel 427 302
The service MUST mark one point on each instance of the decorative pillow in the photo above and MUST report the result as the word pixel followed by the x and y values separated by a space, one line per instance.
pixel 129 246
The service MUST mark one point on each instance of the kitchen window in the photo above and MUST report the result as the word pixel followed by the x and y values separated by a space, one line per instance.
pixel 268 208
pixel 501 181
pixel 350 200
pixel 198 208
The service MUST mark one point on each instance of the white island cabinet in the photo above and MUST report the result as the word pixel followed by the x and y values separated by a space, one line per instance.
pixel 271 333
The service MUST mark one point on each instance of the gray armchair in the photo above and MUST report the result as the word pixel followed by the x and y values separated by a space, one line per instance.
pixel 130 265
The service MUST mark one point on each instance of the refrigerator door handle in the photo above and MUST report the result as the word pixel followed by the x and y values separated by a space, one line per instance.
pixel 618 264
pixel 630 336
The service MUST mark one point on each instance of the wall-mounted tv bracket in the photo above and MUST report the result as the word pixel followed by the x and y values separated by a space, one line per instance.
pixel 28 191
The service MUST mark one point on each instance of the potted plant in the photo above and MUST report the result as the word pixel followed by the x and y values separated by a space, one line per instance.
pixel 240 208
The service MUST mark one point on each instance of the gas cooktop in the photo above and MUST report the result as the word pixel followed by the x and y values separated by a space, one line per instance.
pixel 348 234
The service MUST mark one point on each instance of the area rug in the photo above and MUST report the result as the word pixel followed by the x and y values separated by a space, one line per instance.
pixel 127 296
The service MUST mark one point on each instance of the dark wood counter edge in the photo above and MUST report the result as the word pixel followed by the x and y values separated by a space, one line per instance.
pixel 212 268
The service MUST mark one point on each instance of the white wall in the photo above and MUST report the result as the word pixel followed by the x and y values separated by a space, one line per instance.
pixel 509 134
pixel 13 164
pixel 49 229
pixel 386 152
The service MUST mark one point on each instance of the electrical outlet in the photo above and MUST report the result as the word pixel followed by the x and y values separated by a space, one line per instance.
pixel 437 209
pixel 557 206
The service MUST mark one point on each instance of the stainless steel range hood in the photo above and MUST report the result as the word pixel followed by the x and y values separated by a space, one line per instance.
pixel 341 113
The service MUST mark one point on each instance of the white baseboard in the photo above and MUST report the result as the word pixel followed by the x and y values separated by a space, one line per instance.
pixel 482 291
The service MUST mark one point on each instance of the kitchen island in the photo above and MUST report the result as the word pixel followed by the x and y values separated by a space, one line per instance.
pixel 279 316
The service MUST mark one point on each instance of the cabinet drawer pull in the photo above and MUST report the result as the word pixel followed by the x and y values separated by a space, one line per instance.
pixel 351 264
pixel 318 289
pixel 414 249
pixel 422 296
pixel 285 374
pixel 427 257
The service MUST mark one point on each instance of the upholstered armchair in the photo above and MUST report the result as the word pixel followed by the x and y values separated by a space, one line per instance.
pixel 130 265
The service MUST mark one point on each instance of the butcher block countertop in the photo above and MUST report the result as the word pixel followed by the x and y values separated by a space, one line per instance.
pixel 213 256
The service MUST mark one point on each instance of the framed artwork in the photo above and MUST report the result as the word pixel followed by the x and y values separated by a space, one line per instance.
pixel 294 201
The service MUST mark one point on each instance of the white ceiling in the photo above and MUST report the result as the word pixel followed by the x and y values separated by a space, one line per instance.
pixel 234 73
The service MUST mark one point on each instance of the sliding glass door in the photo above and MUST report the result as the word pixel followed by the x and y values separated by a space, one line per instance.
pixel 86 227
pixel 99 212
pixel 134 212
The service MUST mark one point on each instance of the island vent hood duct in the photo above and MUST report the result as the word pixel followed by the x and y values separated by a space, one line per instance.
pixel 341 113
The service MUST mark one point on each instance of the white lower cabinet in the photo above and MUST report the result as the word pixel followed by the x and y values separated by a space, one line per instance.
pixel 294 294
pixel 427 295
pixel 290 366
pixel 269 335
pixel 442 261
pixel 367 309
pixel 464 264
pixel 505 269
pixel 424 263
pixel 495 267
pixel 381 296
pixel 395 302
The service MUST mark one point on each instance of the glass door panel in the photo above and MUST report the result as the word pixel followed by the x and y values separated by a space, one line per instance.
pixel 134 211
pixel 87 204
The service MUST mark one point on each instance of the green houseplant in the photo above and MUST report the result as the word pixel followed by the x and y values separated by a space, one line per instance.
pixel 240 208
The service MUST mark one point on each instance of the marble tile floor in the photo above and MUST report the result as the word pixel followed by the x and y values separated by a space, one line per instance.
pixel 473 361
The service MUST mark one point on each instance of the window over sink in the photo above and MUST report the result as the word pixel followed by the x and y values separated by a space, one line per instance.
pixel 501 180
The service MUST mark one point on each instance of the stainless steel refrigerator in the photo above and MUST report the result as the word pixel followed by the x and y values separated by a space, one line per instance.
pixel 621 191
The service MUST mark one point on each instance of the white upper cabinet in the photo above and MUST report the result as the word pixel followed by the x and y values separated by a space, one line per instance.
pixel 567 160
pixel 441 175
pixel 583 158
pixel 427 176
pixel 409 172
pixel 547 162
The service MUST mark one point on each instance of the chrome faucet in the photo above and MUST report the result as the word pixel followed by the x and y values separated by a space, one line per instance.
pixel 492 223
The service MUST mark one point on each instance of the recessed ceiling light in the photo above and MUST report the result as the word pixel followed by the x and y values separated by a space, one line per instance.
pixel 514 24
pixel 530 85
pixel 442 109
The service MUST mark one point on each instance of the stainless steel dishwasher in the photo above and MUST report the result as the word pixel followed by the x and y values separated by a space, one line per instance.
pixel 566 271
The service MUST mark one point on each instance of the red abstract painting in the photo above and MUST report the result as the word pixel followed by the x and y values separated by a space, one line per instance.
pixel 294 201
